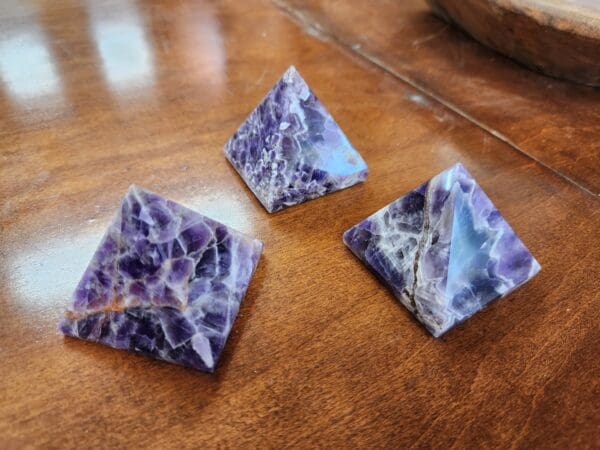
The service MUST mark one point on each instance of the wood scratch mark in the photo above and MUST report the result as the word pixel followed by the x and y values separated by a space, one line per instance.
pixel 261 78
pixel 429 37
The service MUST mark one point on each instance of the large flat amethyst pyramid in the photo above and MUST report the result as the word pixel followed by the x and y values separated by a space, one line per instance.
pixel 443 249
pixel 290 149
pixel 165 281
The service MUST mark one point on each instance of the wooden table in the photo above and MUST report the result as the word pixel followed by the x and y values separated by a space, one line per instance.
pixel 554 122
pixel 97 95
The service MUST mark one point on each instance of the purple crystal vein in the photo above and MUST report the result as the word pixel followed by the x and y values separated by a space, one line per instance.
pixel 443 249
pixel 165 281
pixel 290 149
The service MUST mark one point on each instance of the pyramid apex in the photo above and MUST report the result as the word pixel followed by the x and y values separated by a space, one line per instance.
pixel 291 76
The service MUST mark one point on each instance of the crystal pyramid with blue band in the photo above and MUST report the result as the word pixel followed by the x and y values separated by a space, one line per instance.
pixel 165 281
pixel 443 249
pixel 290 150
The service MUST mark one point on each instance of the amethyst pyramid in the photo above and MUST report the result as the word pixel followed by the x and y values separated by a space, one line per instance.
pixel 290 149
pixel 443 249
pixel 165 281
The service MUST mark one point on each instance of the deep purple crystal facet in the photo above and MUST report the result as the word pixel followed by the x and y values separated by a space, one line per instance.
pixel 290 150
pixel 443 249
pixel 165 281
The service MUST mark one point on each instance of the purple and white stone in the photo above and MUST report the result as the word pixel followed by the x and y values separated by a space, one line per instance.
pixel 290 150
pixel 443 249
pixel 165 281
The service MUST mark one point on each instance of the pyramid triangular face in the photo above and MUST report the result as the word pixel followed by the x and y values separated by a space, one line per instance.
pixel 165 281
pixel 290 149
pixel 443 249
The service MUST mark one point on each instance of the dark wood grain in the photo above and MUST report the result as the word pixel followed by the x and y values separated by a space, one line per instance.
pixel 557 38
pixel 555 122
pixel 321 354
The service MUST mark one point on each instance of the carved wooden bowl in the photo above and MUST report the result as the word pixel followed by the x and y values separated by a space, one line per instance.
pixel 557 37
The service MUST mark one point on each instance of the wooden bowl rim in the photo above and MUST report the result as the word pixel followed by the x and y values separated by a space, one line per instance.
pixel 582 20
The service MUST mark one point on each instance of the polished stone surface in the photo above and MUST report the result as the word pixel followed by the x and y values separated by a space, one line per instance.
pixel 444 250
pixel 290 150
pixel 165 281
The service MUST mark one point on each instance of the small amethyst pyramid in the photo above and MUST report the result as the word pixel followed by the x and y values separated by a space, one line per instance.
pixel 165 281
pixel 443 249
pixel 290 149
